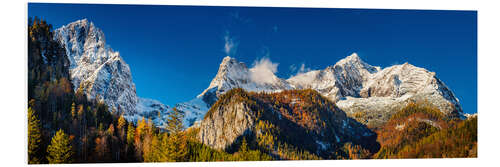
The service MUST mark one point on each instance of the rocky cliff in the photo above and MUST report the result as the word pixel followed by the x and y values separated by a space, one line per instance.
pixel 302 119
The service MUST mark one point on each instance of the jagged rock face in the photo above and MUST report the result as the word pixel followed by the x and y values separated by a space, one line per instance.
pixel 96 68
pixel 407 80
pixel 399 80
pixel 225 125
pixel 390 89
pixel 345 78
pixel 319 129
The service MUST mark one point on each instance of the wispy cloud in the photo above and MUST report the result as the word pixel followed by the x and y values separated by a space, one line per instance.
pixel 230 44
pixel 303 69
pixel 299 70
pixel 263 71
pixel 292 68
pixel 237 19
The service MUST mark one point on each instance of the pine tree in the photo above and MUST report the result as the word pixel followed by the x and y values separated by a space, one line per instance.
pixel 33 137
pixel 176 147
pixel 60 150
pixel 138 138
pixel 154 153
pixel 129 148
pixel 141 127
pixel 244 146
pixel 121 128
pixel 130 134
pixel 174 122
pixel 165 149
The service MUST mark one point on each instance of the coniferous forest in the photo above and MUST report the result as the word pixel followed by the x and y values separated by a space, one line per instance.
pixel 64 126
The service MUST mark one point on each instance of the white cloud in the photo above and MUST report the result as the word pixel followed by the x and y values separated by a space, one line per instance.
pixel 263 71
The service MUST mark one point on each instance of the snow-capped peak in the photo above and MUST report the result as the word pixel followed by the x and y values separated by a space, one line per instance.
pixel 345 78
pixel 354 61
pixel 95 67
pixel 79 36
pixel 235 74
pixel 102 72
pixel 351 58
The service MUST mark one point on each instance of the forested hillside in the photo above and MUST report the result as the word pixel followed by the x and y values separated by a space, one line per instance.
pixel 292 124
pixel 421 131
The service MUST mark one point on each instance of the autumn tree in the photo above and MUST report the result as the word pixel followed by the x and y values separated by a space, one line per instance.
pixel 129 143
pixel 355 151
pixel 121 127
pixel 101 148
pixel 60 150
pixel 130 134
pixel 155 152
pixel 139 137
pixel 147 151
pixel 176 144
pixel 34 137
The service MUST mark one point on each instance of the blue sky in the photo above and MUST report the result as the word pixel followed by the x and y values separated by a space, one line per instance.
pixel 175 51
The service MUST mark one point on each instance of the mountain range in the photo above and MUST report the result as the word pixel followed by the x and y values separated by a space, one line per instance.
pixel 354 85
pixel 368 93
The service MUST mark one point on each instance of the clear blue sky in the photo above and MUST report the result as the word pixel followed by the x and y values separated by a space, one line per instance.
pixel 175 51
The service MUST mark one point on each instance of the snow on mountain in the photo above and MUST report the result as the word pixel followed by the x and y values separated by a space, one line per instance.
pixel 390 89
pixel 194 110
pixel 102 73
pixel 234 74
pixel 95 67
pixel 407 80
pixel 352 82
pixel 354 85
pixel 343 79
pixel 150 109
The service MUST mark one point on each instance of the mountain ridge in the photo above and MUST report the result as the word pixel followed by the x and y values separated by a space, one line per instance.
pixel 352 83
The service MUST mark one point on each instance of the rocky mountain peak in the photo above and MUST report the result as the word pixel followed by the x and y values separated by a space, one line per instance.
pixel 354 62
pixel 228 61
pixel 99 71
pixel 351 58
pixel 95 67
pixel 231 73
